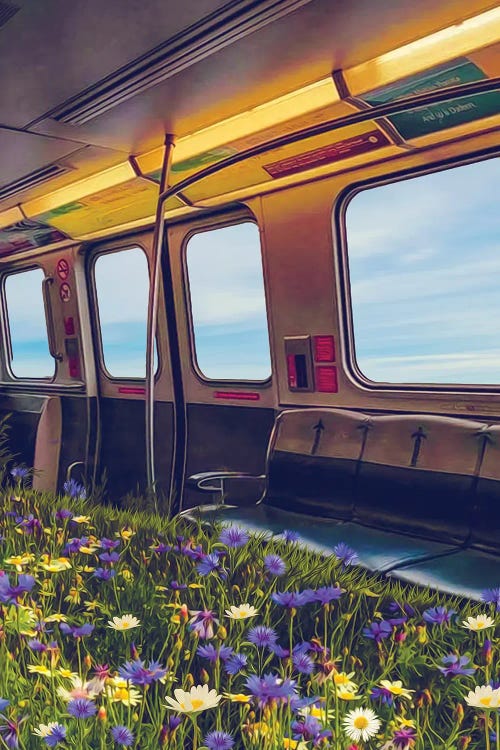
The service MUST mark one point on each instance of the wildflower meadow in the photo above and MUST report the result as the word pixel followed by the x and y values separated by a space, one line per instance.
pixel 126 630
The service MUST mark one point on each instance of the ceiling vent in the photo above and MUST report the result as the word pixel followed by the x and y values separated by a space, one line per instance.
pixel 6 12
pixel 32 180
pixel 214 32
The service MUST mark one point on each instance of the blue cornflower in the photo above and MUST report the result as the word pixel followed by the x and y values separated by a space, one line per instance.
pixel 235 663
pixel 213 654
pixel 210 564
pixel 82 708
pixel 74 489
pixel 176 586
pixel 383 694
pixel 79 631
pixel 378 630
pixel 274 565
pixel 10 593
pixel 345 554
pixel 492 596
pixel 138 674
pixel 456 665
pixel 438 615
pixel 302 662
pixel 122 735
pixel 233 536
pixel 307 728
pixel 56 735
pixel 19 472
pixel 63 514
pixel 104 574
pixel 405 608
pixel 74 545
pixel 218 741
pixel 326 594
pixel 262 636
pixel 291 599
pixel 30 524
pixel 290 536
pixel 36 645
pixel 10 731
pixel 108 544
pixel 109 557
pixel 270 689
pixel 4 703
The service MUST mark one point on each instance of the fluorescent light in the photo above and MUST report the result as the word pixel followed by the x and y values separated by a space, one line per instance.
pixel 10 216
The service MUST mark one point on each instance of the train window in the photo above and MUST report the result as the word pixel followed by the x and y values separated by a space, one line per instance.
pixel 424 268
pixel 122 287
pixel 228 306
pixel 27 326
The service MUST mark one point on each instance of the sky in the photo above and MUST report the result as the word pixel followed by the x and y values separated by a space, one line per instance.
pixel 424 266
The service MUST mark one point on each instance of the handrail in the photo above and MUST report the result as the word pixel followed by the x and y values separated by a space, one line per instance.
pixel 51 334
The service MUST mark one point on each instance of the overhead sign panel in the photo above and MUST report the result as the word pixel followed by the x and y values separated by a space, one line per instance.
pixel 425 120
pixel 27 235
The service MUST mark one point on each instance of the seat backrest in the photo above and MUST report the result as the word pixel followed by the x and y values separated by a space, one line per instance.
pixel 313 460
pixel 418 474
pixel 486 522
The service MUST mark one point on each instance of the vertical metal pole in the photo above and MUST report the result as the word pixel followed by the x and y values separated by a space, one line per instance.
pixel 154 295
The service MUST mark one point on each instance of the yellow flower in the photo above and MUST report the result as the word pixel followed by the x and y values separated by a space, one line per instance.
pixel 19 560
pixel 126 533
pixel 81 519
pixel 119 691
pixel 237 697
pixel 67 673
pixel 198 699
pixel 243 612
pixel 55 566
pixel 481 622
pixel 396 688
pixel 56 617
pixel 39 669
pixel 347 695
pixel 342 679
pixel 73 596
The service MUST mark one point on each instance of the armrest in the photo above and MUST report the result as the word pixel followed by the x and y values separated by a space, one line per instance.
pixel 213 481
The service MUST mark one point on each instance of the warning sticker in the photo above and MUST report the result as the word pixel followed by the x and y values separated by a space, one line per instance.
pixel 62 269
pixel 26 235
pixel 65 292
pixel 344 149
pixel 424 120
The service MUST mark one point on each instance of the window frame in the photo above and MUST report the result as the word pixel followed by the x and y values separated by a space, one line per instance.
pixel 223 222
pixel 343 284
pixel 98 252
pixel 6 327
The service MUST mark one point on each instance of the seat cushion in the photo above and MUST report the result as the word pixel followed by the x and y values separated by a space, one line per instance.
pixel 466 572
pixel 378 550
pixel 486 520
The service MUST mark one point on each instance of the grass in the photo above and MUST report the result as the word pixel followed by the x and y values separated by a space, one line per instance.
pixel 163 572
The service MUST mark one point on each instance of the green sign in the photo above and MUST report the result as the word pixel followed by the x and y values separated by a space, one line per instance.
pixel 425 120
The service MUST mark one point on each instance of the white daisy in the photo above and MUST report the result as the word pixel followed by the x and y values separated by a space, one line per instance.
pixel 242 612
pixel 126 622
pixel 45 730
pixel 483 696
pixel 481 622
pixel 199 698
pixel 361 724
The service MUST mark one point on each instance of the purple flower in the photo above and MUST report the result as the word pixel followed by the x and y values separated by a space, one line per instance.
pixel 74 489
pixel 235 663
pixel 270 689
pixel 308 728
pixel 233 536
pixel 291 599
pixel 438 615
pixel 213 654
pixel 36 645
pixel 405 608
pixel 10 731
pixel 56 735
pixel 30 525
pixel 108 544
pixel 104 574
pixel 11 593
pixel 492 596
pixel 109 557
pixel 345 554
pixel 262 636
pixel 19 473
pixel 274 565
pixel 79 631
pixel 137 673
pixel 456 665
pixel 63 514
pixel 326 594
pixel 290 536
pixel 378 630
pixel 176 586
pixel 82 708
pixel 122 735
pixel 4 703
pixel 218 741
pixel 303 663
pixel 210 564
pixel 73 545
pixel 202 622
pixel 383 694
pixel 404 738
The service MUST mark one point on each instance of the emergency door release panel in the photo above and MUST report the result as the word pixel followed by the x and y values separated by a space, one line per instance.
pixel 299 364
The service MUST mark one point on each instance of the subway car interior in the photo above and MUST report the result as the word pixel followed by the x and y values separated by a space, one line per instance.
pixel 281 191
pixel 248 258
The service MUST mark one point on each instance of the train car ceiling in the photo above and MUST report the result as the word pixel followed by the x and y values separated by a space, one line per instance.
pixel 60 179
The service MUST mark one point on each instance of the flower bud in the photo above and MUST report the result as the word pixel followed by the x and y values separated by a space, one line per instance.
pixel 134 654
pixel 400 637
pixel 487 652
pixel 222 633
pixel 422 633
pixel 178 644
pixel 189 680
pixel 87 661
pixel 101 714
pixel 459 713
pixel 464 741
pixel 204 676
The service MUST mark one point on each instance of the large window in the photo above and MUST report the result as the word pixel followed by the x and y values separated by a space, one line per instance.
pixel 228 303
pixel 424 267
pixel 27 327
pixel 122 287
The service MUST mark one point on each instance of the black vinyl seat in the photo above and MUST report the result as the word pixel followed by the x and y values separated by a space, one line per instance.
pixel 410 494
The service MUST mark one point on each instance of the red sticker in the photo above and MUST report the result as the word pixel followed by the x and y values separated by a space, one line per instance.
pixel 237 395
pixel 326 380
pixel 62 269
pixel 324 349
pixel 65 292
